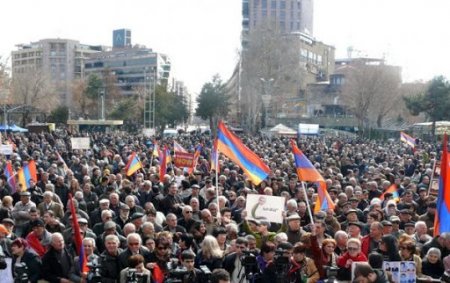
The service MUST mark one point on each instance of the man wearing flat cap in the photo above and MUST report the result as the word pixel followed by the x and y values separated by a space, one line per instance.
pixel 39 238
pixel 20 212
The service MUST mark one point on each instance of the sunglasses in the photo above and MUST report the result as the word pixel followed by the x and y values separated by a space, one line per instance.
pixel 189 211
pixel 163 248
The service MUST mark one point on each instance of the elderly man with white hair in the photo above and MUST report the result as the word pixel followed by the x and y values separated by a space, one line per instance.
pixel 49 204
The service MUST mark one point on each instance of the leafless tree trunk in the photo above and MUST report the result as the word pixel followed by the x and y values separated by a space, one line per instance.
pixel 270 56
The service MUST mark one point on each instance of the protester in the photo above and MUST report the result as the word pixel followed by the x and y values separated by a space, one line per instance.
pixel 147 216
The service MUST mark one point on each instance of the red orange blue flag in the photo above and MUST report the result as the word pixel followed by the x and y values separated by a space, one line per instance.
pixel 26 173
pixel 10 176
pixel 307 172
pixel 198 151
pixel 408 139
pixel 155 148
pixel 232 147
pixel 393 190
pixel 162 163
pixel 178 147
pixel 78 241
pixel 442 216
pixel 133 164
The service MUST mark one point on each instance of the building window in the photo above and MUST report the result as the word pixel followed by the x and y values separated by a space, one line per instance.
pixel 273 4
pixel 264 4
pixel 283 4
pixel 283 15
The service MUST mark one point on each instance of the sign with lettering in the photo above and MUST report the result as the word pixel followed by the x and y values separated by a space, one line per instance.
pixel 6 149
pixel 80 143
pixel 183 159
pixel 263 207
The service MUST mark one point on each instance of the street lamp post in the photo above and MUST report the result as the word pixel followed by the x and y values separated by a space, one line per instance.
pixel 5 114
pixel 266 96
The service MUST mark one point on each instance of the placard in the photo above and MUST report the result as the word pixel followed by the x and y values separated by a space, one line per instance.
pixel 6 274
pixel 263 207
pixel 402 272
pixel 183 160
pixel 6 149
pixel 80 143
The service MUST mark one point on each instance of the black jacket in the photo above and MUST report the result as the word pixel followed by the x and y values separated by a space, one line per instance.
pixel 110 269
pixel 33 263
pixel 52 270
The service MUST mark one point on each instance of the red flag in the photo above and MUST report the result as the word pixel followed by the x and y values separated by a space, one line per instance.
pixel 157 274
pixel 78 240
pixel 162 164
pixel 442 216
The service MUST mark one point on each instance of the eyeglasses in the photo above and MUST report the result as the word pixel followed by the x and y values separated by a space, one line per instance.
pixel 133 244
pixel 163 248
pixel 189 211
pixel 353 249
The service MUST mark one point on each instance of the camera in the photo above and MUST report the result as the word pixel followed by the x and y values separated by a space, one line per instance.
pixel 94 275
pixel 134 277
pixel 248 260
pixel 331 273
pixel 282 265
pixel 181 274
pixel 20 273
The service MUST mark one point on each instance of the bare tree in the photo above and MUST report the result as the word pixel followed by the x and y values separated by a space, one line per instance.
pixel 5 81
pixel 81 103
pixel 371 91
pixel 33 88
pixel 274 57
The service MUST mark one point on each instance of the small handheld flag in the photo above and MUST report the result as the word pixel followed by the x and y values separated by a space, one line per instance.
pixel 133 164
pixel 307 172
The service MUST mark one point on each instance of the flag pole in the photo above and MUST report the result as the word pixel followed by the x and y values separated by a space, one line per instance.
pixel 217 188
pixel 307 202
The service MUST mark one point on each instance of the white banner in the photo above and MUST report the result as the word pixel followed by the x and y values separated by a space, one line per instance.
pixel 80 143
pixel 6 149
pixel 262 207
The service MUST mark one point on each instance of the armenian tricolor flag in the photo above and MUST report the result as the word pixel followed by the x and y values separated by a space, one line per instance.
pixel 442 216
pixel 178 147
pixel 78 241
pixel 10 176
pixel 393 190
pixel 155 148
pixel 198 150
pixel 26 173
pixel 60 159
pixel 163 163
pixel 408 139
pixel 232 147
pixel 133 164
pixel 307 172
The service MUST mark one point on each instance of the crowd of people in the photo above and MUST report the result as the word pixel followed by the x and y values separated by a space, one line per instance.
pixel 193 227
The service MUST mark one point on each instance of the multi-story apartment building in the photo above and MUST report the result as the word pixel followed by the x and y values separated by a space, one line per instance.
pixel 60 60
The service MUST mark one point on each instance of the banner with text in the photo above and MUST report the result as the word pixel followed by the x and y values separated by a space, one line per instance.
pixel 262 207
pixel 183 159
pixel 80 143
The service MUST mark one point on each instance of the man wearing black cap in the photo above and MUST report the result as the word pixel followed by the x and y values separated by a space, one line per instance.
pixel 172 202
pixel 405 217
pixel 352 216
pixel 195 192
pixel 39 239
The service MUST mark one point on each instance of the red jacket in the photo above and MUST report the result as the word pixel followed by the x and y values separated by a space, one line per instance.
pixel 365 245
pixel 342 260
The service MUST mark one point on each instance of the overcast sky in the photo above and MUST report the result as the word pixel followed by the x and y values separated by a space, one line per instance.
pixel 202 36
